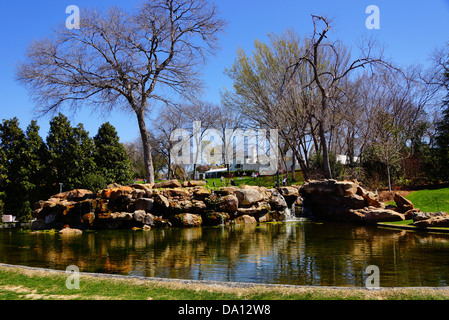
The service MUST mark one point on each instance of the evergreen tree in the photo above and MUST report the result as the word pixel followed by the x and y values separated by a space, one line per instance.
pixel 111 158
pixel 16 183
pixel 33 161
pixel 70 155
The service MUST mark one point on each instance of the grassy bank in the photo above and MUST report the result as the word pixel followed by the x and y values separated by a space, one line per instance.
pixel 430 200
pixel 25 284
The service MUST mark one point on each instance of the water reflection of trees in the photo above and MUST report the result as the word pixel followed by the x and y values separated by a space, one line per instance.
pixel 304 253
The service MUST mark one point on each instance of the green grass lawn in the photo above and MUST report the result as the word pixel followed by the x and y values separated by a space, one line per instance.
pixel 24 284
pixel 430 200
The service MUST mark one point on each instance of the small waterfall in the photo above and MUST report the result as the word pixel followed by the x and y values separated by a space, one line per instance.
pixel 289 211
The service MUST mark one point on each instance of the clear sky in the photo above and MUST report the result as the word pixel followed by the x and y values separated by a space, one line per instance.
pixel 411 30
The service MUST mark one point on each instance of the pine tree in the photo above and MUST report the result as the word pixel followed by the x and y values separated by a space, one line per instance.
pixel 70 155
pixel 111 158
pixel 16 183
pixel 33 161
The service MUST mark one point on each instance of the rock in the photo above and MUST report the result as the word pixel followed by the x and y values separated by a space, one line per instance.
pixel 248 197
pixel 70 231
pixel 224 191
pixel 79 195
pixel 88 218
pixel 345 188
pixel 403 204
pixel 178 207
pixel 267 217
pixel 168 184
pixel 161 203
pixel 38 224
pixel 138 193
pixel 120 192
pixel 289 191
pixel 212 218
pixel 277 202
pixel 229 203
pixel 176 192
pixel 315 187
pixel 160 222
pixel 257 210
pixel 200 193
pixel 354 201
pixel 186 220
pixel 113 186
pixel 139 216
pixel 198 207
pixel 142 186
pixel 144 218
pixel 420 216
pixel 145 204
pixel 435 222
pixel 245 219
pixel 382 215
pixel 196 183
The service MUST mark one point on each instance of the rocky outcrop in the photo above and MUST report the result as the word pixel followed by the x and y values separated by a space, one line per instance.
pixel 345 201
pixel 431 219
pixel 165 204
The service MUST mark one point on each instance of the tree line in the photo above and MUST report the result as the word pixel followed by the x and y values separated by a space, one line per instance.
pixel 32 169
pixel 325 98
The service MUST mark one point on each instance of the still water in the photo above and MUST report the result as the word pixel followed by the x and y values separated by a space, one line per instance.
pixel 300 253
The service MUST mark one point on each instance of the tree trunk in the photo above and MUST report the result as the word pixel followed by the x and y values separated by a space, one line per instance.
pixel 389 178
pixel 326 163
pixel 293 168
pixel 148 159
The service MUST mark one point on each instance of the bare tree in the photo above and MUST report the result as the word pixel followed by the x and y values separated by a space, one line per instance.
pixel 121 60
pixel 330 65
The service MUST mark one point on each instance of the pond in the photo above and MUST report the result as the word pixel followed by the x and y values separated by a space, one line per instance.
pixel 298 253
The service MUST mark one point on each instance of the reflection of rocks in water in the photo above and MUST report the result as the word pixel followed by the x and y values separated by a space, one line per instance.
pixel 304 253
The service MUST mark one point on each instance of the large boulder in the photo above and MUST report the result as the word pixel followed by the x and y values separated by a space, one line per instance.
pixel 196 183
pixel 161 204
pixel 224 191
pixel 70 231
pixel 435 222
pixel 186 220
pixel 143 218
pixel 176 193
pixel 420 216
pixel 257 210
pixel 168 184
pixel 145 204
pixel 403 204
pixel 354 201
pixel 245 219
pixel 277 201
pixel 200 193
pixel 229 203
pixel 375 215
pixel 248 197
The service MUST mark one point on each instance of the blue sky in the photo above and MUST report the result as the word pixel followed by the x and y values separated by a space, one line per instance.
pixel 410 30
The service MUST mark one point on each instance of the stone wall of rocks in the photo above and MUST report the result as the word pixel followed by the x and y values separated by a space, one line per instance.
pixel 166 204
pixel 349 202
